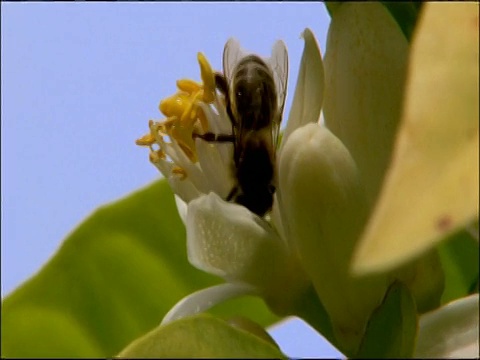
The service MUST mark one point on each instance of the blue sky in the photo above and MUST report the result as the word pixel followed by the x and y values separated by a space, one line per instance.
pixel 79 83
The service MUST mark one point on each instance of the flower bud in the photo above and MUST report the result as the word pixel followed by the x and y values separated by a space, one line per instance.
pixel 325 209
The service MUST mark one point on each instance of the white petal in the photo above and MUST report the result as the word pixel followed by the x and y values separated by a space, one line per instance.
pixel 365 66
pixel 278 62
pixel 450 331
pixel 308 98
pixel 205 299
pixel 181 208
pixel 228 240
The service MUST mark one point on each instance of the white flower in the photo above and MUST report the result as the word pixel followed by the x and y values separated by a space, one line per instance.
pixel 328 180
pixel 251 253
pixel 270 257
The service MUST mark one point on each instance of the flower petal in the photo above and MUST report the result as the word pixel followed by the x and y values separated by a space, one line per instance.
pixel 324 210
pixel 181 208
pixel 365 65
pixel 228 240
pixel 308 98
pixel 451 331
pixel 205 299
pixel 224 237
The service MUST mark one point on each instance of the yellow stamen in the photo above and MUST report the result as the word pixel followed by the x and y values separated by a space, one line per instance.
pixel 202 119
pixel 183 136
pixel 146 140
pixel 165 127
pixel 208 78
pixel 180 131
pixel 156 156
pixel 191 109
pixel 184 115
pixel 175 105
pixel 189 86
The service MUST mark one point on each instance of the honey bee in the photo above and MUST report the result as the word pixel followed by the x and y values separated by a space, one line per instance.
pixel 254 90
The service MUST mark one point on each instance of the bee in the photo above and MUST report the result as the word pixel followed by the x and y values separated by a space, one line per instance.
pixel 254 90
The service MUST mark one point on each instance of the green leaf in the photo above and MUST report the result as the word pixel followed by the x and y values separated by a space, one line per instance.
pixel 200 336
pixel 112 280
pixel 431 188
pixel 405 14
pixel 392 327
pixel 460 262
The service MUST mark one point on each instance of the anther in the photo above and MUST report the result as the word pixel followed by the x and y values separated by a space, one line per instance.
pixel 156 156
pixel 189 86
pixel 208 78
pixel 179 172
pixel 146 140
pixel 175 105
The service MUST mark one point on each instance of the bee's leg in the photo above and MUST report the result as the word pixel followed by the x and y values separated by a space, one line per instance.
pixel 232 193
pixel 211 137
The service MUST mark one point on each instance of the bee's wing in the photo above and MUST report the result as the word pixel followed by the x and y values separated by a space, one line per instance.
pixel 279 64
pixel 232 54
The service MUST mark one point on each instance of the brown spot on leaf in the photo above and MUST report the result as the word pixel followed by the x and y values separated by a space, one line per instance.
pixel 444 223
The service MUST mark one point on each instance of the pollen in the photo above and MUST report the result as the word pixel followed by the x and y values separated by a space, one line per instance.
pixel 175 105
pixel 156 155
pixel 146 140
pixel 189 86
pixel 177 170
